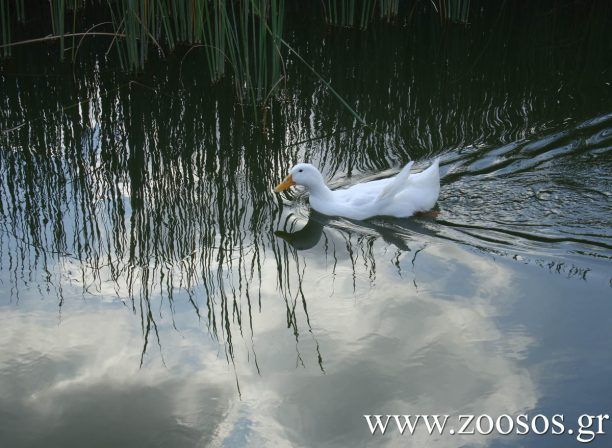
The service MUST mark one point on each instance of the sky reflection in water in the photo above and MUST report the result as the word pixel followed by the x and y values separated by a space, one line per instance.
pixel 155 291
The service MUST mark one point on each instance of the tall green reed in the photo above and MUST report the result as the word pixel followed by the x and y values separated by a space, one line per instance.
pixel 388 9
pixel 349 13
pixel 58 15
pixel 5 24
pixel 359 13
pixel 243 35
pixel 456 11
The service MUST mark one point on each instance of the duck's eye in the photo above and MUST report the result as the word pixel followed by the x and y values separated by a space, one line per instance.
pixel 301 170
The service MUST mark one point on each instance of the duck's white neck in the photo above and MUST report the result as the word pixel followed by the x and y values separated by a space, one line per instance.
pixel 320 191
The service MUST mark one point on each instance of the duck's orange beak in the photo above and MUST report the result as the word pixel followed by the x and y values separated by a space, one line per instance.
pixel 286 183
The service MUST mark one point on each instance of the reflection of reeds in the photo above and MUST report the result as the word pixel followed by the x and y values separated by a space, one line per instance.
pixel 162 195
pixel 120 199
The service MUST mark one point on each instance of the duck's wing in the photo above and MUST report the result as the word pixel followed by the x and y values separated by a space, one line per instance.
pixel 358 195
pixel 370 189
pixel 428 178
pixel 396 184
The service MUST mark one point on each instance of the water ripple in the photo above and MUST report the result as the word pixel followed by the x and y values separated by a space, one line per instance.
pixel 552 188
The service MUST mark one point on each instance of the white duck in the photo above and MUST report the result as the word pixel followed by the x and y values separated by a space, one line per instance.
pixel 400 196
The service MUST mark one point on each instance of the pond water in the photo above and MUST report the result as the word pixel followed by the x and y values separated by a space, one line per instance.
pixel 154 291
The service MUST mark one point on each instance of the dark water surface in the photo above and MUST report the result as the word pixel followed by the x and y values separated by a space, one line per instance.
pixel 155 292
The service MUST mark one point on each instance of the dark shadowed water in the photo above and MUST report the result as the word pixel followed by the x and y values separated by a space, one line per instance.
pixel 155 292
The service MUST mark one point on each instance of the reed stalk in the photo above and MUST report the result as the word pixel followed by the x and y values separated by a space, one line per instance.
pixel 244 35
pixel 349 13
pixel 388 9
pixel 5 24
pixel 455 11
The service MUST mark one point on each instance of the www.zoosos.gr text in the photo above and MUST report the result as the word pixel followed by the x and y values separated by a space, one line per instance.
pixel 586 427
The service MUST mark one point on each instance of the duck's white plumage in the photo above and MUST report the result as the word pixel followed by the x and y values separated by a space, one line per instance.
pixel 400 196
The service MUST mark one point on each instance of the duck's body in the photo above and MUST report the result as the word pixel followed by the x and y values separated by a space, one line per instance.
pixel 400 196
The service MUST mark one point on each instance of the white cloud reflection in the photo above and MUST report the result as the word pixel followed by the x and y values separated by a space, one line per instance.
pixel 389 348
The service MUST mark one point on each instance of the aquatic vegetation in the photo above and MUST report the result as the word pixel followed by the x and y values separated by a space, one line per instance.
pixel 349 13
pixel 158 192
pixel 243 40
pixel 244 36
pixel 456 11
pixel 146 265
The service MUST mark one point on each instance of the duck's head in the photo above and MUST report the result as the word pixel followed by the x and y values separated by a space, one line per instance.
pixel 301 174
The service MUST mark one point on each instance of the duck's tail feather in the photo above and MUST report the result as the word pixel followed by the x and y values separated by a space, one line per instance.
pixel 394 186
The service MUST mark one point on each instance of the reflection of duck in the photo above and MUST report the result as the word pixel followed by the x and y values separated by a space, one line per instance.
pixel 308 236
pixel 394 232
pixel 400 196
